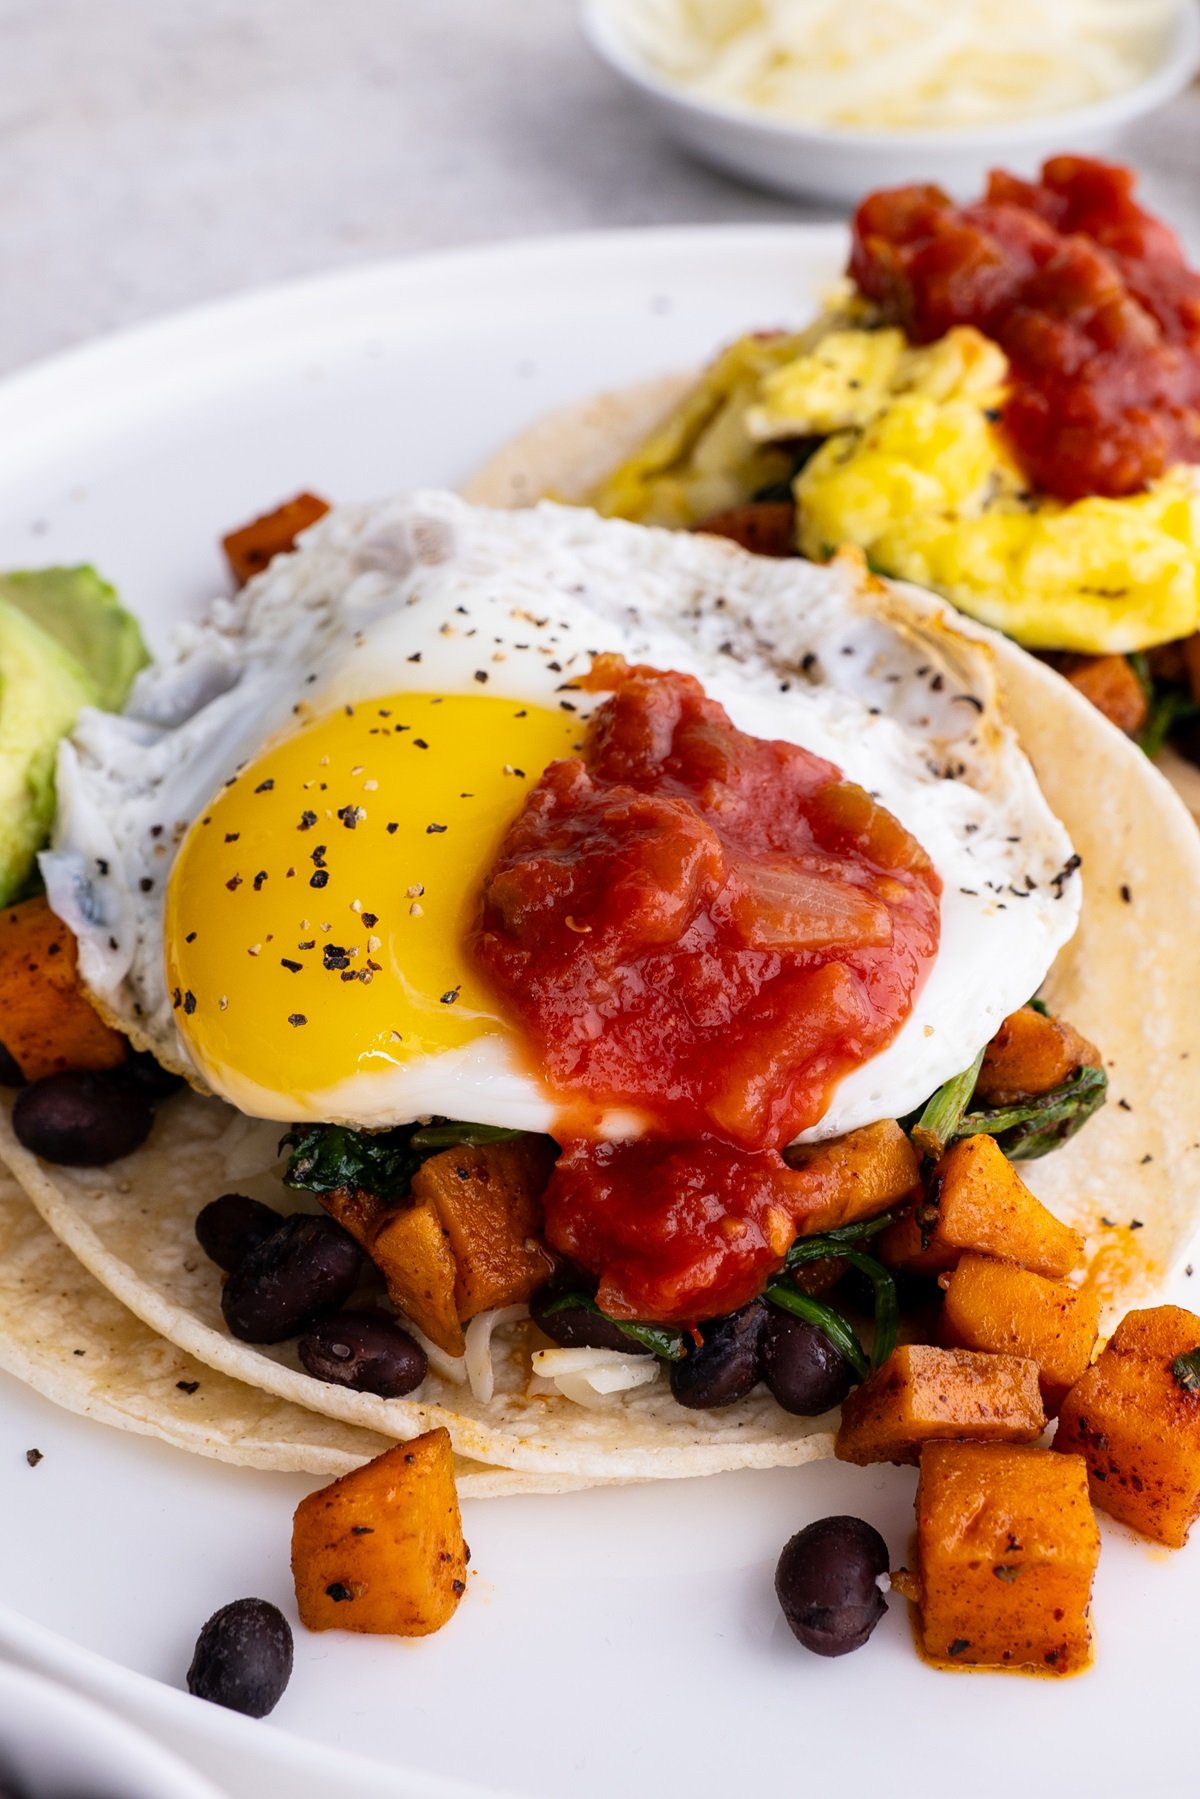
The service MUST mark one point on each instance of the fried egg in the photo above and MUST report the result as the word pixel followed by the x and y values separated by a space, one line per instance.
pixel 272 858
pixel 916 471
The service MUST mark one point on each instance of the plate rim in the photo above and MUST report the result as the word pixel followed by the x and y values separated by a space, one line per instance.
pixel 34 1682
pixel 158 1706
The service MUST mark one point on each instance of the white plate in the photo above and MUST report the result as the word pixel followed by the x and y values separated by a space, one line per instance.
pixel 611 1643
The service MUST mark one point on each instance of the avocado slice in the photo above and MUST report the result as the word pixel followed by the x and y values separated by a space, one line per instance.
pixel 42 687
pixel 82 612
pixel 65 642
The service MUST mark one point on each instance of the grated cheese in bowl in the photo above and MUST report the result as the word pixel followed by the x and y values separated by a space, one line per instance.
pixel 899 64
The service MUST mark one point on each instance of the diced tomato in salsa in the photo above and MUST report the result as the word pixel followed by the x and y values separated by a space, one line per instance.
pixel 710 929
pixel 677 1231
pixel 1088 295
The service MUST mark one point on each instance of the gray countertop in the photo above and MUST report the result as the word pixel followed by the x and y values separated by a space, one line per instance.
pixel 155 153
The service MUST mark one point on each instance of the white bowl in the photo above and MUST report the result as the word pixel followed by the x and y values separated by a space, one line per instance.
pixel 55 1745
pixel 844 165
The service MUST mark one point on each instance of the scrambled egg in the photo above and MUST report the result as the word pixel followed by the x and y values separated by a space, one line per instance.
pixel 851 374
pixel 916 472
pixel 702 458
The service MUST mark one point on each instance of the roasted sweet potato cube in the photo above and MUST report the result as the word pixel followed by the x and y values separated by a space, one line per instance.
pixel 1030 1054
pixel 48 1025
pixel 764 527
pixel 251 547
pixel 1007 1547
pixel 468 1239
pixel 411 1248
pixel 488 1200
pixel 815 1278
pixel 356 1210
pixel 381 1549
pixel 1110 683
pixel 855 1176
pixel 922 1393
pixel 1005 1310
pixel 1138 1428
pixel 977 1200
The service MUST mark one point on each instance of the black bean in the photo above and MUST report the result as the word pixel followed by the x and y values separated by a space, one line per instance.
pixel 364 1350
pixel 308 1267
pixel 149 1076
pixel 10 1074
pixel 727 1364
pixel 243 1658
pixel 578 1327
pixel 804 1371
pixel 227 1229
pixel 81 1120
pixel 827 1584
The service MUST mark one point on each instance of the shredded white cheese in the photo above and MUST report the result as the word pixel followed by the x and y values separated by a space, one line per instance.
pixel 899 64
pixel 480 1369
pixel 590 1376
pixel 451 1367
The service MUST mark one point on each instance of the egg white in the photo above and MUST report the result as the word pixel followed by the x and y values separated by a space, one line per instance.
pixel 879 679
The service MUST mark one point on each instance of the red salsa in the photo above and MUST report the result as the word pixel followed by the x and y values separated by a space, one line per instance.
pixel 1089 297
pixel 709 930
pixel 676 1231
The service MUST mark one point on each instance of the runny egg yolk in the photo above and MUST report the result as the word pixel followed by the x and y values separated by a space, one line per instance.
pixel 317 910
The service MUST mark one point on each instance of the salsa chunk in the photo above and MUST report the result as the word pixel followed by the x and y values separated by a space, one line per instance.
pixel 1087 294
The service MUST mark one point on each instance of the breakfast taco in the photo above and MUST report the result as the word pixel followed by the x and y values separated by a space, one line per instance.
pixel 999 404
pixel 583 984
